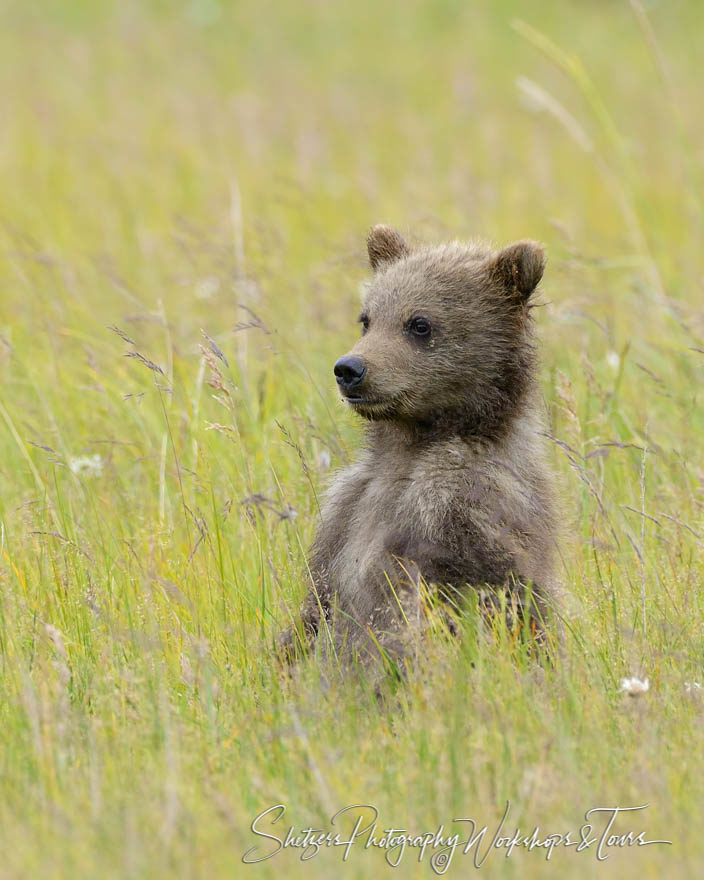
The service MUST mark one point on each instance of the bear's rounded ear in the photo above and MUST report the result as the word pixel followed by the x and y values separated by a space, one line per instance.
pixel 385 245
pixel 519 267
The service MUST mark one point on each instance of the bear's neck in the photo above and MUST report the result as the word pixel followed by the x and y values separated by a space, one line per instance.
pixel 441 427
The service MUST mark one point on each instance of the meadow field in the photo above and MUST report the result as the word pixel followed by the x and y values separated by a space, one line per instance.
pixel 185 191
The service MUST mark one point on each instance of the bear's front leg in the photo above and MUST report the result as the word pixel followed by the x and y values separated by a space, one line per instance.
pixel 295 641
pixel 490 572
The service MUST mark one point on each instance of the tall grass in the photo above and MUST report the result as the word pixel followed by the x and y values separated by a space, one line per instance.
pixel 185 193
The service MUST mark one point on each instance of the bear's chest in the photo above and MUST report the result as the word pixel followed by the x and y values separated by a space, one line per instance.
pixel 388 505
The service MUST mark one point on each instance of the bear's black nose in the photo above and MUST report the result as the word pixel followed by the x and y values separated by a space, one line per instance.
pixel 349 372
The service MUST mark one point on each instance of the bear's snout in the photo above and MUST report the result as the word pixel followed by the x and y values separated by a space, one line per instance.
pixel 349 372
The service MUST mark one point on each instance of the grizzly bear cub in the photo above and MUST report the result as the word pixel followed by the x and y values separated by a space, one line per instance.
pixel 452 489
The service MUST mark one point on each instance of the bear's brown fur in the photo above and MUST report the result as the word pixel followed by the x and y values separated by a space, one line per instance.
pixel 452 488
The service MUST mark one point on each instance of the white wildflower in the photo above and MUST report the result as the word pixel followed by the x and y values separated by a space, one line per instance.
pixel 634 687
pixel 691 686
pixel 56 638
pixel 207 287
pixel 613 360
pixel 88 465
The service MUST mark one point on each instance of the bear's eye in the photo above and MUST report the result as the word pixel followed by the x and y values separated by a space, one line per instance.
pixel 364 321
pixel 419 327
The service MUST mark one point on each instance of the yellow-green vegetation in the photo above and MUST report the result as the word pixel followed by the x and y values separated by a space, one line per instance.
pixel 199 176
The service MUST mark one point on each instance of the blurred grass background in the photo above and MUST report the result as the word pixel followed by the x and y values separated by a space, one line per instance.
pixel 200 176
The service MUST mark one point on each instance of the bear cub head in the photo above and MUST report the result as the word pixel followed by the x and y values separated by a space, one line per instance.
pixel 446 335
